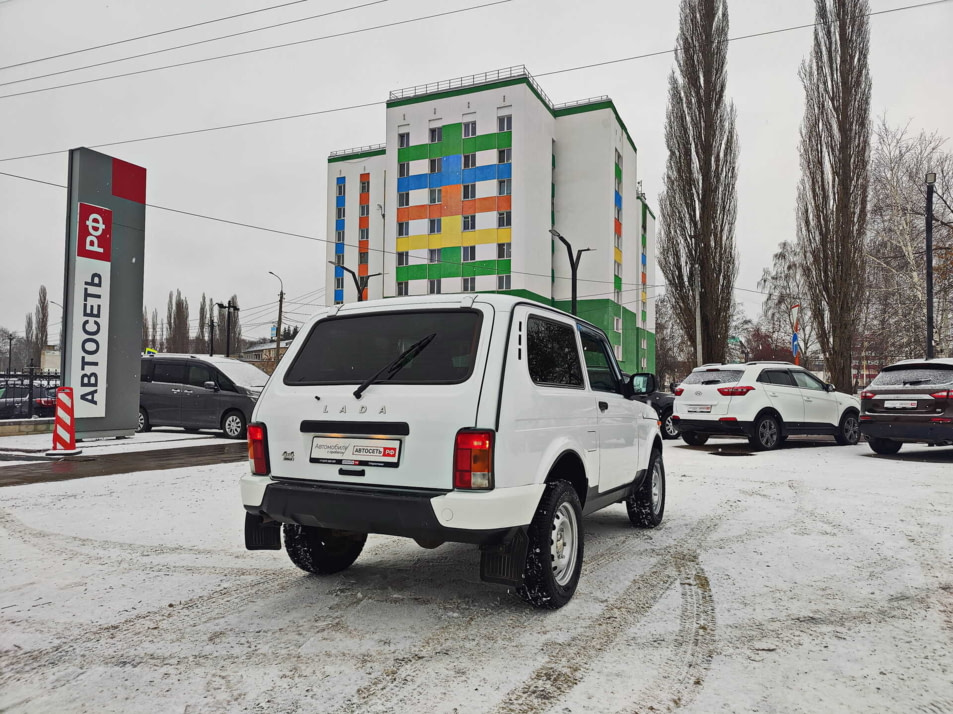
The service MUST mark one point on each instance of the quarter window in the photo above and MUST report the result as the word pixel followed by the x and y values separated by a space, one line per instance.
pixel 504 156
pixel 433 225
pixel 602 375
pixel 403 169
pixel 469 129
pixel 436 134
pixel 551 353
pixel 403 199
pixel 469 223
pixel 436 165
pixel 403 140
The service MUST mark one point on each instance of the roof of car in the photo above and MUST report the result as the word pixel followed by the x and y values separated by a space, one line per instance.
pixel 214 359
pixel 737 365
pixel 924 360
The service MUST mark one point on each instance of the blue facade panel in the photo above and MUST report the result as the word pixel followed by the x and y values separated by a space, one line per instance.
pixel 339 249
pixel 339 295
pixel 338 271
pixel 339 224
pixel 411 183
pixel 339 201
pixel 506 171
pixel 643 259
pixel 340 179
pixel 618 200
pixel 480 173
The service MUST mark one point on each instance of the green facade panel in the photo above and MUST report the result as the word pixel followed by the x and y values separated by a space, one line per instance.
pixel 618 172
pixel 437 271
pixel 504 140
pixel 483 142
pixel 503 267
pixel 356 156
pixel 479 267
pixel 616 282
pixel 452 143
pixel 411 272
pixel 413 153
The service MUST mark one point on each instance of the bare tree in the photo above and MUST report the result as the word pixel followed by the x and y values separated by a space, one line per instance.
pixel 145 328
pixel 29 339
pixel 154 331
pixel 698 205
pixel 785 284
pixel 673 354
pixel 832 193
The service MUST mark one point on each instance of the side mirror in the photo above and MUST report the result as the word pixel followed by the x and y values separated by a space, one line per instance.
pixel 829 388
pixel 643 383
pixel 211 385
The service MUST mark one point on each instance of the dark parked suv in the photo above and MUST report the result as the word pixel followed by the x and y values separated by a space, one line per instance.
pixel 909 402
pixel 198 393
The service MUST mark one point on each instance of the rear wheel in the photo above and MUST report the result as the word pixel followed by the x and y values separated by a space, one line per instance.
pixel 693 439
pixel 848 432
pixel 647 505
pixel 767 433
pixel 669 431
pixel 233 424
pixel 884 446
pixel 143 424
pixel 320 550
pixel 554 556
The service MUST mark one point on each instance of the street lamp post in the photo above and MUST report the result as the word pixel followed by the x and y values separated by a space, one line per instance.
pixel 573 262
pixel 930 180
pixel 10 338
pixel 360 281
pixel 228 323
pixel 281 303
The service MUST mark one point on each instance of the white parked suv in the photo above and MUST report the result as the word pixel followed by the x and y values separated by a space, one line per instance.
pixel 764 401
pixel 482 419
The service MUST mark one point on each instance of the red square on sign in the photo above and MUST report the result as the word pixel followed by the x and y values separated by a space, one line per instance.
pixel 390 452
pixel 94 232
pixel 129 181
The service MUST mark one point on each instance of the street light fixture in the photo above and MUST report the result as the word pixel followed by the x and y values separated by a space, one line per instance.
pixel 360 281
pixel 573 262
pixel 281 303
pixel 930 180
pixel 228 323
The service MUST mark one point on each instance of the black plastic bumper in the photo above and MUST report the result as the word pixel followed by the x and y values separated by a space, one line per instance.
pixel 387 511
pixel 714 428
pixel 922 432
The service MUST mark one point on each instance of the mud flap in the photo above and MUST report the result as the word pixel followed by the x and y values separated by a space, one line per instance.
pixel 504 562
pixel 260 535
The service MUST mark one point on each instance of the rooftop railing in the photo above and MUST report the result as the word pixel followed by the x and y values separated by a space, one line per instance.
pixel 470 81
pixel 581 102
pixel 358 150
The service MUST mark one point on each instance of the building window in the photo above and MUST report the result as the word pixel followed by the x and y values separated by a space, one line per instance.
pixel 403 140
pixel 503 250
pixel 402 289
pixel 503 282
pixel 469 191
pixel 403 199
pixel 617 268
pixel 403 229
pixel 339 283
pixel 363 234
pixel 339 259
pixel 618 241
pixel 504 156
pixel 469 129
pixel 469 253
pixel 338 302
pixel 618 185
pixel 436 134
pixel 504 123
pixel 338 236
pixel 618 158
pixel 403 169
pixel 617 324
pixel 618 213
pixel 434 225
pixel 340 212
pixel 364 210
pixel 618 352
pixel 433 287
pixel 403 258
pixel 362 258
pixel 504 187
pixel 433 255
pixel 365 186
pixel 436 165
pixel 469 285
pixel 469 222
pixel 340 189
pixel 617 296
pixel 469 161
pixel 436 195
pixel 504 219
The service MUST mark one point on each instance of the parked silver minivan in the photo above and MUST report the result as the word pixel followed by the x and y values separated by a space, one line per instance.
pixel 198 393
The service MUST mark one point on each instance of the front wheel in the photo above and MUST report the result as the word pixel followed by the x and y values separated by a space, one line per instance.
pixel 647 505
pixel 233 424
pixel 693 439
pixel 767 433
pixel 669 430
pixel 554 556
pixel 320 550
pixel 848 432
pixel 143 424
pixel 884 446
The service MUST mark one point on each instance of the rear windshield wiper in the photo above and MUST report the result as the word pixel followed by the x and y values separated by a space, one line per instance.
pixel 915 382
pixel 712 381
pixel 395 365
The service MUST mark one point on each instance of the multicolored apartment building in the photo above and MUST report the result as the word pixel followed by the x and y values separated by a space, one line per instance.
pixel 474 174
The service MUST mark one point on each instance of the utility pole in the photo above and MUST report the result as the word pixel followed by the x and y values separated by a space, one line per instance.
pixel 360 282
pixel 930 180
pixel 211 334
pixel 9 353
pixel 573 263
pixel 281 303
pixel 228 324
pixel 698 317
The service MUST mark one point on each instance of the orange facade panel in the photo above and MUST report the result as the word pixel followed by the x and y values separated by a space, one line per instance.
pixel 362 269
pixel 480 205
pixel 365 177
pixel 503 203
pixel 365 198
pixel 364 222
pixel 363 246
pixel 435 210
pixel 412 213
pixel 450 202
pixel 618 227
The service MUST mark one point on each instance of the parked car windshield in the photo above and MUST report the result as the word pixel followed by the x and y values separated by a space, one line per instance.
pixel 242 374
pixel 914 375
pixel 714 376
pixel 349 350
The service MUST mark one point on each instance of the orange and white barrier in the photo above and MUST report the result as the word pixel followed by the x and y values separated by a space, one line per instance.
pixel 64 425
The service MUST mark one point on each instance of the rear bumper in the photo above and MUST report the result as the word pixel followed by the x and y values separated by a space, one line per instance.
pixel 424 514
pixel 713 427
pixel 922 432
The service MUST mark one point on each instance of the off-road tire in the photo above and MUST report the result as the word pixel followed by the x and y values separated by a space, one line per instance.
pixel 848 431
pixel 540 586
pixel 143 425
pixel 887 447
pixel 646 506
pixel 693 439
pixel 668 426
pixel 234 424
pixel 322 551
pixel 767 433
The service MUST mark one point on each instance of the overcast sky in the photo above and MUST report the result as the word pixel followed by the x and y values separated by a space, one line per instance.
pixel 274 175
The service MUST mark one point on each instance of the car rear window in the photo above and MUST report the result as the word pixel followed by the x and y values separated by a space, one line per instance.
pixel 714 376
pixel 348 350
pixel 914 376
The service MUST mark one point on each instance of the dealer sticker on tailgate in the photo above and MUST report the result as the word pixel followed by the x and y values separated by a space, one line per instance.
pixel 355 452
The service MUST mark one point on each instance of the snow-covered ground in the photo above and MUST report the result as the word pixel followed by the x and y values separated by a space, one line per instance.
pixel 36 445
pixel 817 578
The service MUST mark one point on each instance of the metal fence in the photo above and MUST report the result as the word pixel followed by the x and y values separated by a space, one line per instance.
pixel 29 394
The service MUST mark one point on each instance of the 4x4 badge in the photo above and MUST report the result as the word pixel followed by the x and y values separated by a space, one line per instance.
pixel 288 455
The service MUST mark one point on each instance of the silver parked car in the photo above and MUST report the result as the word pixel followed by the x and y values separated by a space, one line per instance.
pixel 198 393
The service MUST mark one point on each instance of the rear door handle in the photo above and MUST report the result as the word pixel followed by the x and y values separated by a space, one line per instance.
pixel 187 391
pixel 176 391
pixel 808 399
pixel 603 406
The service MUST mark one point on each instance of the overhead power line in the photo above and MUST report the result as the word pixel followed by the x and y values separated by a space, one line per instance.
pixel 190 44
pixel 364 105
pixel 260 49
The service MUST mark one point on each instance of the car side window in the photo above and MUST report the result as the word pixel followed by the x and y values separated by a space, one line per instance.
pixel 602 374
pixel 199 374
pixel 169 373
pixel 808 381
pixel 145 372
pixel 779 377
pixel 552 354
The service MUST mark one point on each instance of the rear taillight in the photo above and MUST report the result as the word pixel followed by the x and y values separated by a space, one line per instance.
pixel 258 450
pixel 942 420
pixel 473 459
pixel 866 418
pixel 678 391
pixel 734 391
pixel 945 394
pixel 867 395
